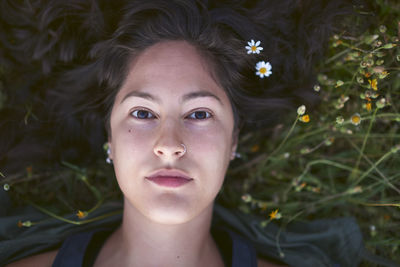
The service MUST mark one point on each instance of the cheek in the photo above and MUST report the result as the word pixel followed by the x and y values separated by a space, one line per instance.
pixel 131 156
pixel 212 146
pixel 128 142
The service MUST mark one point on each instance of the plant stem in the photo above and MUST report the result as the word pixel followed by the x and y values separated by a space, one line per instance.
pixel 355 169
pixel 55 216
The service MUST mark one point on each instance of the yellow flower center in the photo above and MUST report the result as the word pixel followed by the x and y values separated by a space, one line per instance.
pixel 356 119
pixel 253 48
pixel 263 70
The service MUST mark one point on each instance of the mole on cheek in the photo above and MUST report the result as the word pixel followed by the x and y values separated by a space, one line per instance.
pixel 130 130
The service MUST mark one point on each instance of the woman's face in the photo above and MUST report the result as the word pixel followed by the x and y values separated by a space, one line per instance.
pixel 170 103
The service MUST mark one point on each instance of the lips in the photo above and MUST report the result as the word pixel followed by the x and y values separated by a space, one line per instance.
pixel 169 178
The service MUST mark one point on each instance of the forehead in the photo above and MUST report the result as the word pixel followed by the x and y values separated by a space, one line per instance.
pixel 173 66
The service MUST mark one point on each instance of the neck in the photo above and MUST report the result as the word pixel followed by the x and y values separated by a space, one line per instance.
pixel 142 242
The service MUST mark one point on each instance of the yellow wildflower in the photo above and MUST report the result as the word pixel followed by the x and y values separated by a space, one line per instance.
pixel 255 148
pixel 81 214
pixel 305 118
pixel 374 84
pixel 356 119
pixel 275 215
pixel 368 105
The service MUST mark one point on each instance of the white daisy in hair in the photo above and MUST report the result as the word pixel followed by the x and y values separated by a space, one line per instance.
pixel 263 69
pixel 253 47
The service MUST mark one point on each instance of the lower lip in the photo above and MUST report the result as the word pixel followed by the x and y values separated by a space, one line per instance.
pixel 169 181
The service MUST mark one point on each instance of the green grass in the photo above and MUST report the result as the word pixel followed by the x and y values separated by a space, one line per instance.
pixel 332 166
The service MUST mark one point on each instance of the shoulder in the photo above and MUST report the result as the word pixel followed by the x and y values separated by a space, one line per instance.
pixel 263 263
pixel 43 260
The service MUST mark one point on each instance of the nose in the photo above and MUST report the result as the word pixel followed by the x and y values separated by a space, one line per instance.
pixel 169 144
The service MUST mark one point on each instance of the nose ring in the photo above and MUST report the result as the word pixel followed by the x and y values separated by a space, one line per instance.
pixel 184 149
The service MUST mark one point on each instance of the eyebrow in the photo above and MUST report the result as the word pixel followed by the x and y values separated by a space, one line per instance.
pixel 141 95
pixel 185 98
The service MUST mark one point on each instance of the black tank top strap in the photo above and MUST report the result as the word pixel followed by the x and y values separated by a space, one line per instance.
pixel 243 252
pixel 73 250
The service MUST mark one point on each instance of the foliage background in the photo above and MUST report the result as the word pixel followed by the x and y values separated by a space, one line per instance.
pixel 343 162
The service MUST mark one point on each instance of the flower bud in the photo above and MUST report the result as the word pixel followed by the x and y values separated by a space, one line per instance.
pixel 382 28
pixel 381 103
pixel 301 110
pixel 6 187
pixel 246 198
pixel 339 83
pixel 339 119
pixel 389 46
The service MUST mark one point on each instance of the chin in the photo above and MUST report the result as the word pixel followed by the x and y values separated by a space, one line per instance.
pixel 170 217
pixel 173 211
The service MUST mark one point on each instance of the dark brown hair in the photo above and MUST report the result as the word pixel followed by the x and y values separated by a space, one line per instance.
pixel 78 53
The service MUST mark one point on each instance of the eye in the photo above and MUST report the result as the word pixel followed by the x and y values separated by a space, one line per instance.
pixel 200 115
pixel 142 114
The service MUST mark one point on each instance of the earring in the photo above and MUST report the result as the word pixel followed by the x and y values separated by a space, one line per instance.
pixel 108 159
pixel 184 149
pixel 235 155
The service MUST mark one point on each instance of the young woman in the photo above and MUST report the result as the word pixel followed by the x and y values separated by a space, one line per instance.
pixel 174 83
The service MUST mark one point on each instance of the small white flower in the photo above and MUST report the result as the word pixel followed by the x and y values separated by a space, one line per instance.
pixel 253 47
pixel 6 187
pixel 263 69
pixel 301 110
pixel 355 119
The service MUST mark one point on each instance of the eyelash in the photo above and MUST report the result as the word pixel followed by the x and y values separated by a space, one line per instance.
pixel 208 114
